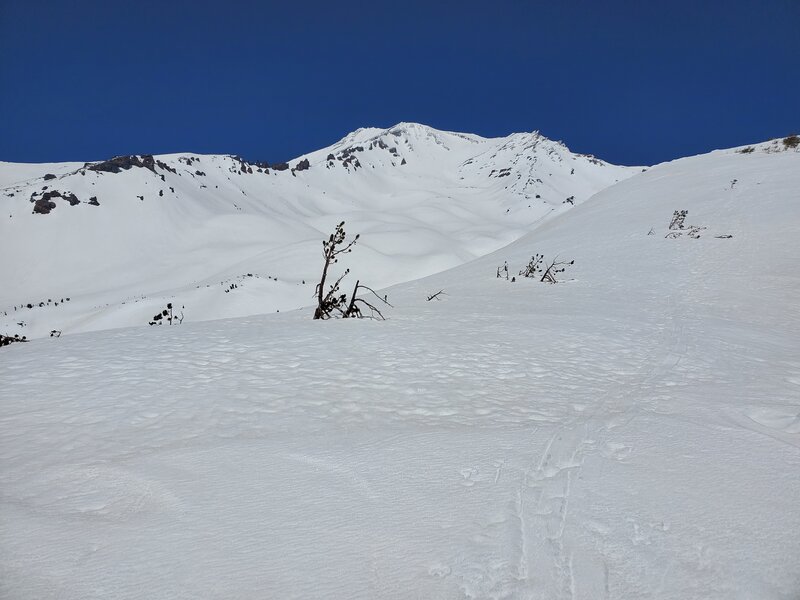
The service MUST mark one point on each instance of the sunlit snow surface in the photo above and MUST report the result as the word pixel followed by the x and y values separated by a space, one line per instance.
pixel 633 432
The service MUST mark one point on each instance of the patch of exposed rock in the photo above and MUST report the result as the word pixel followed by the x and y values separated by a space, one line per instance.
pixel 45 204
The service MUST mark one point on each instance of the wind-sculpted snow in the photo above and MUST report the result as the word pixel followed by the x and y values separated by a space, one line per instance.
pixel 124 237
pixel 631 432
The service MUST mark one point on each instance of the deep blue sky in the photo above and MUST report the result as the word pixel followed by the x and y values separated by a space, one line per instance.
pixel 633 82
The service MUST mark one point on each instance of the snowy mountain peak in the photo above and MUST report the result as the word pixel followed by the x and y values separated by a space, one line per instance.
pixel 131 233
pixel 408 134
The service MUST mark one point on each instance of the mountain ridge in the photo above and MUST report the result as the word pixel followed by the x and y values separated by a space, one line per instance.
pixel 144 230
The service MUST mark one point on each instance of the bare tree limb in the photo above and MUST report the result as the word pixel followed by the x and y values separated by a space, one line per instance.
pixel 353 309
pixel 552 271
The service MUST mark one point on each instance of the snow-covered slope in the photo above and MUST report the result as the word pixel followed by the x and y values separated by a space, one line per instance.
pixel 632 432
pixel 224 237
pixel 17 174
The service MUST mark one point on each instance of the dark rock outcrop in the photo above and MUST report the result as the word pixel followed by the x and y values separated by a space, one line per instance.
pixel 43 207
pixel 245 167
pixel 123 163
pixel 165 167
pixel 45 204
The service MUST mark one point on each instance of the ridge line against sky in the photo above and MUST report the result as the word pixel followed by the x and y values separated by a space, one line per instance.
pixel 630 82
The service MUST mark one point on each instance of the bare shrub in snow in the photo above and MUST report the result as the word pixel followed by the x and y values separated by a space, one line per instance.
pixel 503 271
pixel 534 266
pixel 6 340
pixel 167 315
pixel 677 227
pixel 555 267
pixel 538 266
pixel 334 302
pixel 678 218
